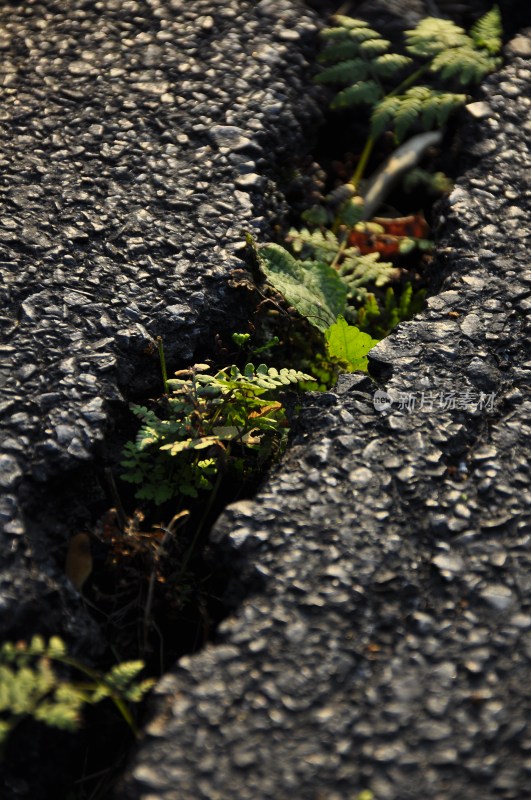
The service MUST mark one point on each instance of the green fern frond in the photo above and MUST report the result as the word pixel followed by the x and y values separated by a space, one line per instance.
pixel 374 47
pixel 356 29
pixel 30 686
pixel 122 675
pixel 361 270
pixel 321 245
pixel 351 23
pixel 420 103
pixel 361 93
pixel 464 63
pixel 383 115
pixel 351 42
pixel 346 48
pixel 390 64
pixel 348 71
pixel 341 50
pixel 433 35
pixel 487 31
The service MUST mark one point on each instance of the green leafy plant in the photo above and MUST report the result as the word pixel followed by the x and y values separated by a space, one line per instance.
pixel 31 687
pixel 207 425
pixel 359 59
pixel 312 287
pixel 327 275
pixel 379 318
pixel 324 301
pixel 349 345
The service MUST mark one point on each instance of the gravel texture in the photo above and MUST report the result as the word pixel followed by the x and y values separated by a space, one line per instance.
pixel 385 643
pixel 133 160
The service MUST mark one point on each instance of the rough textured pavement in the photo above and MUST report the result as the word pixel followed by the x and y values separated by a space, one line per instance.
pixel 139 141
pixel 387 643
pixel 133 160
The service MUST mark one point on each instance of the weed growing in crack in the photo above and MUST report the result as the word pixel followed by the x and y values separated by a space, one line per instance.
pixel 31 687
pixel 373 77
pixel 336 265
pixel 206 426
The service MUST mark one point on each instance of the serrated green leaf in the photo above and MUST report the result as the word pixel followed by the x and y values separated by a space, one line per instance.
pixel 350 23
pixel 56 647
pixel 487 31
pixel 433 35
pixel 36 646
pixel 340 50
pixel 313 288
pixel 362 270
pixel 420 103
pixel 383 115
pixel 389 64
pixel 374 47
pixel 464 63
pixel 362 93
pixel 349 344
pixel 321 245
pixel 350 71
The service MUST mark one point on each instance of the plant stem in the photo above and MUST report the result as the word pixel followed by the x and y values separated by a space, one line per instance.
pixel 189 553
pixel 362 163
pixel 162 360
pixel 406 83
pixel 96 677
pixel 369 144
pixel 341 250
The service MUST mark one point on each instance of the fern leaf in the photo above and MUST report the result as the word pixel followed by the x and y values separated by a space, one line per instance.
pixel 322 245
pixel 37 646
pixel 400 112
pixel 312 287
pixel 341 50
pixel 58 715
pixel 374 47
pixel 411 106
pixel 364 42
pixel 350 23
pixel 383 114
pixel 346 72
pixel 334 34
pixel 389 64
pixel 446 104
pixel 433 35
pixel 121 675
pixel 147 436
pixel 487 31
pixel 360 270
pixel 464 63
pixel 56 648
pixel 362 93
